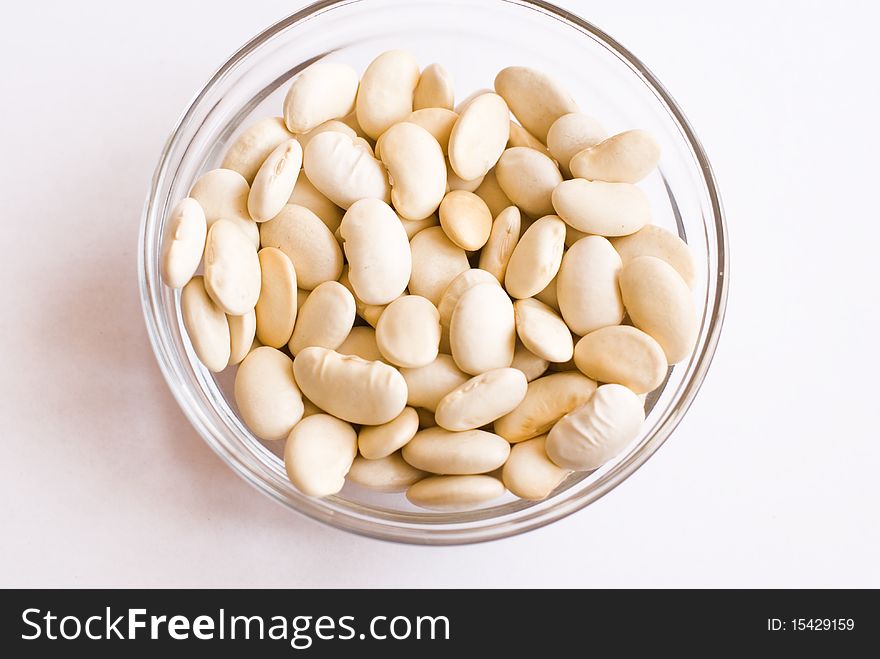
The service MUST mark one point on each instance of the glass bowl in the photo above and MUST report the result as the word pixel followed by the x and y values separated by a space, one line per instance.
pixel 473 39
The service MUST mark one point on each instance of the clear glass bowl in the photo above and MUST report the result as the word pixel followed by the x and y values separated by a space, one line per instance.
pixel 473 39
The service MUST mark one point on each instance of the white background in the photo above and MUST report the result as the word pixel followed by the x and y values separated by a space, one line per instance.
pixel 771 480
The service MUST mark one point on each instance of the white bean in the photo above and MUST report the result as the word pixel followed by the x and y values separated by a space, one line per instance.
pixel 652 240
pixel 275 181
pixel 542 332
pixel 319 453
pixel 466 219
pixel 232 269
pixel 587 286
pixel 438 122
pixel 570 134
pixel 482 399
pixel 597 431
pixel 547 400
pixel 529 473
pixel 519 136
pixel 361 341
pixel 325 320
pixel 660 303
pixel 536 258
pixel 412 227
pixel 606 209
pixel 333 125
pixel 417 170
pixel 529 363
pixel 456 453
pixel 503 238
pixel 623 158
pixel 266 394
pixel 251 148
pixel 184 242
pixel 344 171
pixel 223 194
pixel 376 442
pixel 385 96
pixel 276 307
pixel 479 136
pixel 349 387
pixel 482 333
pixel 308 243
pixel 206 325
pixel 622 355
pixel 457 287
pixel 535 99
pixel 369 312
pixel 427 385
pixel 325 90
pixel 451 493
pixel 528 178
pixel 408 332
pixel 307 195
pixel 436 261
pixel 242 333
pixel 455 182
pixel 434 89
pixel 490 192
pixel 378 252
pixel 389 474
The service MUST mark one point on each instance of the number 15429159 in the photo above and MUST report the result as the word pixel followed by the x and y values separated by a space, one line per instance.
pixel 811 624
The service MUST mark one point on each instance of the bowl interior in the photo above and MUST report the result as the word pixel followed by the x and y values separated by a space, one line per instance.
pixel 473 40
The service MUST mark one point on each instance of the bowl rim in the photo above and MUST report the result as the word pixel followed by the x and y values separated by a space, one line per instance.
pixel 438 535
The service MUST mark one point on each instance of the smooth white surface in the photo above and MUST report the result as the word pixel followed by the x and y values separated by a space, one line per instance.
pixel 771 480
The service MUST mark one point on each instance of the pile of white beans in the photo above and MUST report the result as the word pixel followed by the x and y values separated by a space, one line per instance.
pixel 426 299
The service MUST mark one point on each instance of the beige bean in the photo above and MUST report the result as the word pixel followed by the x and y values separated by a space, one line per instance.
pixel 242 333
pixel 466 219
pixel 572 235
pixel 232 269
pixel 324 91
pixel 652 240
pixel 307 242
pixel 490 192
pixel 275 181
pixel 416 168
pixel 344 171
pixel 436 261
pixel 389 474
pixel 426 418
pixel 441 451
pixel 597 431
pixel 319 453
pixel 536 258
pixel 479 136
pixel 548 295
pixel 333 125
pixel 622 355
pixel 503 238
pixel 266 394
pixel 482 333
pixel 605 209
pixel 452 493
pixel 570 134
pixel 349 387
pixel 301 297
pixel 351 121
pixel 660 303
pixel 535 99
pixel 386 93
pixel 276 307
pixel 377 250
pixel 325 319
pixel 470 98
pixel 455 182
pixel 307 195
pixel 369 312
pixel 251 148
pixel 587 286
pixel 412 227
pixel 529 363
pixel 310 409
pixel 361 341
pixel 434 89
pixel 519 136
pixel 528 178
pixel 427 385
pixel 223 194
pixel 408 332
pixel 438 122
pixel 206 325
pixel 183 243
pixel 542 331
pixel 529 473
pixel 375 442
pixel 623 158
pixel 457 287
pixel 547 400
pixel 482 399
